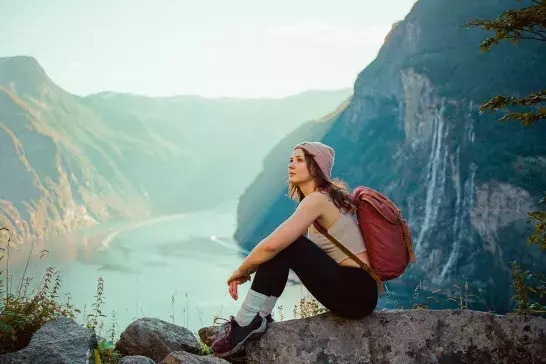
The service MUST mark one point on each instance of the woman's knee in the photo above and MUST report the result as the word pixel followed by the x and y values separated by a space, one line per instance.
pixel 272 264
pixel 284 258
pixel 290 257
pixel 290 250
pixel 278 261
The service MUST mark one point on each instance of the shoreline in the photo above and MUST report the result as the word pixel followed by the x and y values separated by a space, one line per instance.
pixel 106 242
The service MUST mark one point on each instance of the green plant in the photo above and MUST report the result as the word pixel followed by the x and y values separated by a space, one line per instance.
pixel 522 296
pixel 539 237
pixel 172 306
pixel 529 287
pixel 421 305
pixel 22 312
pixel 105 353
pixel 463 297
pixel 93 317
pixel 112 331
pixel 204 348
pixel 281 312
pixel 307 307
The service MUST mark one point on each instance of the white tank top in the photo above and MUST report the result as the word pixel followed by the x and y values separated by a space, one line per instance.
pixel 346 231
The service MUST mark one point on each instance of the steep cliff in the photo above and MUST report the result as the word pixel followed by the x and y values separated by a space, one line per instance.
pixel 413 131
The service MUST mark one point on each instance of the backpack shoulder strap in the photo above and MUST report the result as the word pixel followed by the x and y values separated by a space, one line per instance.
pixel 360 263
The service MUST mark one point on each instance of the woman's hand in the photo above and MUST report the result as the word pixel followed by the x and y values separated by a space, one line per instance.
pixel 233 289
pixel 236 279
pixel 239 276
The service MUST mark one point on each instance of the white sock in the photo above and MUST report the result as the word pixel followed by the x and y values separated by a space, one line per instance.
pixel 268 306
pixel 250 307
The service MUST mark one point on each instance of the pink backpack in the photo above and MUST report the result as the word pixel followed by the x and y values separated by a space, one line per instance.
pixel 386 235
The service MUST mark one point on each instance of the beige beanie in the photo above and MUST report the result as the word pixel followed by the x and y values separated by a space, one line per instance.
pixel 322 154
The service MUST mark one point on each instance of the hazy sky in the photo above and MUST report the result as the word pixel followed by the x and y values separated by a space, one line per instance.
pixel 241 48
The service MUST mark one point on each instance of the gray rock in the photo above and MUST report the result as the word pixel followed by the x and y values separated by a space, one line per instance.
pixel 155 339
pixel 404 337
pixel 181 357
pixel 136 359
pixel 61 341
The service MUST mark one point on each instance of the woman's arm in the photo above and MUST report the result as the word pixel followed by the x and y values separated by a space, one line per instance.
pixel 309 209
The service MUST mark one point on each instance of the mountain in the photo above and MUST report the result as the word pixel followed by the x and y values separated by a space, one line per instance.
pixel 413 131
pixel 227 139
pixel 58 157
pixel 68 162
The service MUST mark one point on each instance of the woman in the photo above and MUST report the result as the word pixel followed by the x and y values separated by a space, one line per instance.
pixel 336 281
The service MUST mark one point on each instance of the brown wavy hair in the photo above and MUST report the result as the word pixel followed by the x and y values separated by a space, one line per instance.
pixel 337 189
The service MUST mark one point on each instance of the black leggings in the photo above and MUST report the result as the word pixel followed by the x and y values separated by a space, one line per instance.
pixel 346 291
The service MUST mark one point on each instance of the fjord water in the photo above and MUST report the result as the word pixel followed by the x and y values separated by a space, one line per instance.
pixel 145 263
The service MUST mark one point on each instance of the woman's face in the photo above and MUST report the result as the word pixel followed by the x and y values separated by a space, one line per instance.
pixel 297 169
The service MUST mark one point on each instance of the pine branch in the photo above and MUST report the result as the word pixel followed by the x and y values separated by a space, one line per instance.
pixel 513 25
pixel 526 118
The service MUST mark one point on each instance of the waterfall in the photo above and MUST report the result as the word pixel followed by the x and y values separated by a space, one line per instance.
pixel 463 203
pixel 435 180
pixel 457 224
pixel 462 230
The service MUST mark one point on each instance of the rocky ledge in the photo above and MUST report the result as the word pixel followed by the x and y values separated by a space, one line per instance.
pixel 399 336
pixel 402 336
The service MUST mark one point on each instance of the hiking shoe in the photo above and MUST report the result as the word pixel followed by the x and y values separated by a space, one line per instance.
pixel 236 336
pixel 269 318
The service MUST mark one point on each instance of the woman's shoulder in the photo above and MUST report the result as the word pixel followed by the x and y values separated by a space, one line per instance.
pixel 319 196
pixel 321 199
